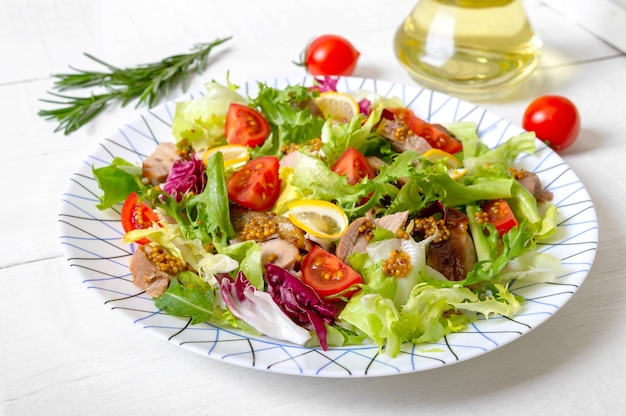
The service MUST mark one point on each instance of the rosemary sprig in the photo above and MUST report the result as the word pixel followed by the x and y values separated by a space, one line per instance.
pixel 148 83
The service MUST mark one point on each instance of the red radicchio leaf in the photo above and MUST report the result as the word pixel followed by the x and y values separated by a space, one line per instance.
pixel 365 106
pixel 299 301
pixel 259 310
pixel 326 83
pixel 185 176
pixel 387 115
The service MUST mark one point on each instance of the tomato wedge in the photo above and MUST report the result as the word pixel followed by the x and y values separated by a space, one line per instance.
pixel 137 215
pixel 327 274
pixel 435 135
pixel 255 186
pixel 353 165
pixel 245 125
pixel 500 215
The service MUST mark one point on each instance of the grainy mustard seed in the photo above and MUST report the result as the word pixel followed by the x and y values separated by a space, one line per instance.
pixel 429 226
pixel 259 228
pixel 165 261
pixel 398 264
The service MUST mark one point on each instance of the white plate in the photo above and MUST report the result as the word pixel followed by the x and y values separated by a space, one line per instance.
pixel 92 243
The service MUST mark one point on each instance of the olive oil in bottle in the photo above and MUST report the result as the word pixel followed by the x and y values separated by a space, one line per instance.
pixel 470 48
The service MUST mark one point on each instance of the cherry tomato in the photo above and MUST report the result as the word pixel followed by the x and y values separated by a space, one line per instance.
pixel 255 186
pixel 554 119
pixel 331 55
pixel 245 125
pixel 353 165
pixel 499 214
pixel 326 274
pixel 137 215
pixel 437 136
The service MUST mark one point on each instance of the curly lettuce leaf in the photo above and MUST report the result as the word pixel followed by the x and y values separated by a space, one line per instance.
pixel 504 154
pixel 377 318
pixel 287 112
pixel 429 314
pixel 338 137
pixel 431 182
pixel 201 121
pixel 315 180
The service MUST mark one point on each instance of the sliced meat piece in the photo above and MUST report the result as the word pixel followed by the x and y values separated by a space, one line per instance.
pixel 405 141
pixel 314 109
pixel 543 195
pixel 147 275
pixel 376 163
pixel 157 166
pixel 279 252
pixel 455 256
pixel 532 182
pixel 393 222
pixel 289 160
pixel 289 232
pixel 355 240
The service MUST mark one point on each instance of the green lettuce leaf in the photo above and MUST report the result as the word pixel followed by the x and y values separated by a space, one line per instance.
pixel 429 314
pixel 287 112
pixel 504 154
pixel 376 317
pixel 201 121
pixel 188 295
pixel 205 216
pixel 117 181
pixel 465 131
pixel 248 254
pixel 338 137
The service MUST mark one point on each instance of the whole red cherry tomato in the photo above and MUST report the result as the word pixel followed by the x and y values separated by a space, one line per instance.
pixel 331 55
pixel 554 119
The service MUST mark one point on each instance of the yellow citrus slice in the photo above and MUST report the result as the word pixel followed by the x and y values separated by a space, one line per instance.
pixel 319 218
pixel 436 154
pixel 233 154
pixel 457 173
pixel 337 106
pixel 455 169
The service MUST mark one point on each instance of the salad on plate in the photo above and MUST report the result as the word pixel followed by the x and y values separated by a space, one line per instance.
pixel 327 218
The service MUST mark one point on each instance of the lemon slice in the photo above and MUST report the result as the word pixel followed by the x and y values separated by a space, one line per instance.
pixel 455 169
pixel 337 106
pixel 319 218
pixel 436 154
pixel 457 173
pixel 233 154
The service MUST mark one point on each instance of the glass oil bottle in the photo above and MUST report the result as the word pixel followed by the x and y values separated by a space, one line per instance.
pixel 469 48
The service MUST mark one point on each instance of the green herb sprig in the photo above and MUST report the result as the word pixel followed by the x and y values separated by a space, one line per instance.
pixel 148 83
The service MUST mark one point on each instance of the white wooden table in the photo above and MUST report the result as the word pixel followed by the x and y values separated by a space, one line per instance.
pixel 64 353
